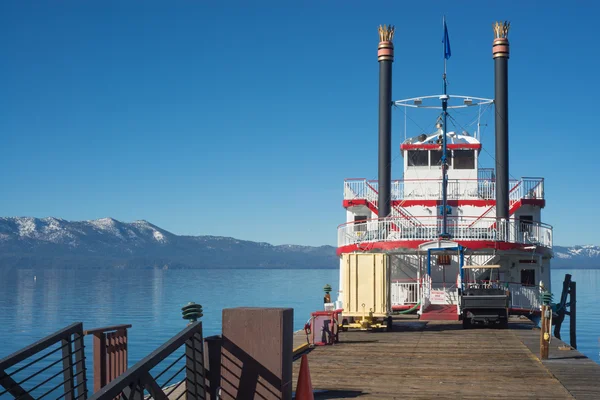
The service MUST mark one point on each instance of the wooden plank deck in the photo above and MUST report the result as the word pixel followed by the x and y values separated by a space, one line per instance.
pixel 438 359
pixel 577 373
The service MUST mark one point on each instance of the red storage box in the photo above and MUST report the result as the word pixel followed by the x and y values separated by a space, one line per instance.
pixel 324 328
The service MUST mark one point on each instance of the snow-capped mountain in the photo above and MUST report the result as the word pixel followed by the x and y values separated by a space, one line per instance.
pixel 587 256
pixel 56 243
pixel 75 234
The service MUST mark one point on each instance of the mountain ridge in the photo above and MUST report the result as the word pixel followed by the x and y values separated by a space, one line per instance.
pixel 576 257
pixel 29 242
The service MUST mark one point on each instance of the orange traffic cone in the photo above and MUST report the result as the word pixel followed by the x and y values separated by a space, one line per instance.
pixel 304 390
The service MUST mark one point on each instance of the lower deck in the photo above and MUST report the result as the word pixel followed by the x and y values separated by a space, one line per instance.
pixel 438 359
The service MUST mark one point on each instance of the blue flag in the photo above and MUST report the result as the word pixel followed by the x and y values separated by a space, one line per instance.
pixel 446 41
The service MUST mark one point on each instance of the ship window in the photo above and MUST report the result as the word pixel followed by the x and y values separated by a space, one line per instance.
pixel 525 223
pixel 360 223
pixel 464 159
pixel 528 277
pixel 418 158
pixel 444 259
pixel 436 158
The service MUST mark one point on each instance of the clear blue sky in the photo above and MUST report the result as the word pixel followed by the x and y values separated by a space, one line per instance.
pixel 243 121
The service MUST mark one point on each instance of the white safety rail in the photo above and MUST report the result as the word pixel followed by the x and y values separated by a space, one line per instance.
pixel 405 293
pixel 431 189
pixel 532 188
pixel 425 293
pixel 524 297
pixel 394 229
pixel 443 293
pixel 458 289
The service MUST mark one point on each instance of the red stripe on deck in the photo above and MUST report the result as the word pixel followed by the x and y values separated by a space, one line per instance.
pixel 414 244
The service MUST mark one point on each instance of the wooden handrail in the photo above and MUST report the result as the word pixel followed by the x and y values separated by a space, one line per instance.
pixel 38 346
pixel 106 329
pixel 70 341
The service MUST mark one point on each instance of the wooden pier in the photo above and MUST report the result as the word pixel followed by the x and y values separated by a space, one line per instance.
pixel 438 359
pixel 416 360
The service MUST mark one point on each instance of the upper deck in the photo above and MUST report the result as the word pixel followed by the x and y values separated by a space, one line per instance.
pixel 473 232
pixel 527 188
pixel 406 229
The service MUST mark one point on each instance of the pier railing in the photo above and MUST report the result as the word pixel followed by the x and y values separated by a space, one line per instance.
pixel 404 293
pixel 51 366
pixel 183 377
pixel 425 293
pixel 524 297
pixel 393 229
pixel 431 189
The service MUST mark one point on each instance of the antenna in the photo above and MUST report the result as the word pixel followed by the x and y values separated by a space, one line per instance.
pixel 446 46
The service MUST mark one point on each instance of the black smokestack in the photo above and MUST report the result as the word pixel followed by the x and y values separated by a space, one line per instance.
pixel 500 51
pixel 385 56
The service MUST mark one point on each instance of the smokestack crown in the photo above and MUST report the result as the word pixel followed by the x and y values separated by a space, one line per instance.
pixel 385 50
pixel 500 47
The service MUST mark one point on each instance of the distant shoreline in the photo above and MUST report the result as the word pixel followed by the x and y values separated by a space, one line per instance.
pixel 2 268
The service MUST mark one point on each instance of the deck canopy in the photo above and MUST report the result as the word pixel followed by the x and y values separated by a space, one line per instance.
pixel 492 266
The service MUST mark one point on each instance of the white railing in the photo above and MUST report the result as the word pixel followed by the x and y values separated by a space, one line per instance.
pixel 531 188
pixel 425 293
pixel 460 228
pixel 404 293
pixel 355 189
pixel 431 189
pixel 363 189
pixel 443 293
pixel 458 289
pixel 524 297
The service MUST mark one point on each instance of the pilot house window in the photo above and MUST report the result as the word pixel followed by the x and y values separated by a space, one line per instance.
pixel 436 158
pixel 360 223
pixel 464 159
pixel 418 158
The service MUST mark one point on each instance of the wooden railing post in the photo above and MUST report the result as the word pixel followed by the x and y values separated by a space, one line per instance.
pixel 573 315
pixel 212 363
pixel 80 369
pixel 110 353
pixel 99 361
pixel 194 362
pixel 545 332
pixel 67 362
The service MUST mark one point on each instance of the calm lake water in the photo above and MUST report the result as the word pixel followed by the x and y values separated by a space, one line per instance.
pixel 151 301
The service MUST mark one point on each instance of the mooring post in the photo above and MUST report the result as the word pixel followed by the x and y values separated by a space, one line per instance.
pixel 545 332
pixel 572 315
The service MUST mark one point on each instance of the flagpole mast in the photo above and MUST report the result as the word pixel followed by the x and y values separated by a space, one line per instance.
pixel 444 53
pixel 444 99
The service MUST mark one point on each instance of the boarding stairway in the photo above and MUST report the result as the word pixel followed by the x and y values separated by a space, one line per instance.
pixel 364 190
pixel 441 304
